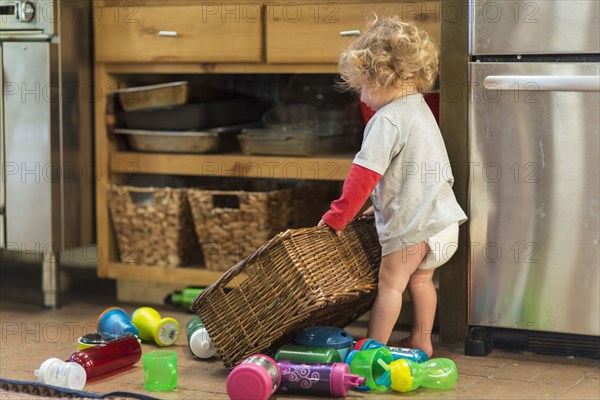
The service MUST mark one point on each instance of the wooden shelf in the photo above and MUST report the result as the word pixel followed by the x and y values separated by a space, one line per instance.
pixel 331 167
pixel 184 275
pixel 220 68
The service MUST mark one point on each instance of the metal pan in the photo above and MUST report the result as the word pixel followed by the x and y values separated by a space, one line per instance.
pixel 209 141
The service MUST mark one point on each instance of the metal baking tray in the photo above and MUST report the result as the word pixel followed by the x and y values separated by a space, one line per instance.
pixel 208 141
pixel 195 116
pixel 271 142
pixel 153 96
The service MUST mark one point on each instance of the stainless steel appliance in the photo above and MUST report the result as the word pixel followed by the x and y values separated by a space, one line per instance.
pixel 534 159
pixel 46 130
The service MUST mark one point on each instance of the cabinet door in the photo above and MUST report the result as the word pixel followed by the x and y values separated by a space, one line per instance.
pixel 319 31
pixel 203 32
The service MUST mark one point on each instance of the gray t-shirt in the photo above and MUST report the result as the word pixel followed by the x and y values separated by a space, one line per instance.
pixel 414 199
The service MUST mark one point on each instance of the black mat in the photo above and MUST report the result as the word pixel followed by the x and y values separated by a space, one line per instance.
pixel 40 389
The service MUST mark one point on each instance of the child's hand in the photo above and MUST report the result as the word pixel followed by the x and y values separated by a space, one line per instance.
pixel 321 223
pixel 369 212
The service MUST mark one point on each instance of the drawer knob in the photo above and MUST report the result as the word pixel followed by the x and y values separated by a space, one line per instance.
pixel 354 32
pixel 167 33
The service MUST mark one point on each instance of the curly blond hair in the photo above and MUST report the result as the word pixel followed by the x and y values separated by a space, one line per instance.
pixel 387 54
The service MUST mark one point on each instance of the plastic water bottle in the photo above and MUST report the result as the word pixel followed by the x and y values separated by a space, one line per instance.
pixel 112 356
pixel 256 378
pixel 151 326
pixel 55 372
pixel 398 353
pixel 114 322
pixel 200 343
pixel 183 298
pixel 406 375
pixel 307 354
pixel 317 379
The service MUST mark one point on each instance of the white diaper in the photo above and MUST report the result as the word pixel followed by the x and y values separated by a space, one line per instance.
pixel 442 246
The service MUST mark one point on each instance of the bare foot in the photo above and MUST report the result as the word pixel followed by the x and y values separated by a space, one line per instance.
pixel 411 343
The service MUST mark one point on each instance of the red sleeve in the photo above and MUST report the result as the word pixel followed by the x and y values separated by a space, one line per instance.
pixel 358 185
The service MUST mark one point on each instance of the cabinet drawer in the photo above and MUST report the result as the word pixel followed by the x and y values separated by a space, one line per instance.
pixel 204 32
pixel 310 33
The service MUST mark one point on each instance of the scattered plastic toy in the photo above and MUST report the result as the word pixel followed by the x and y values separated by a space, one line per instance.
pixel 307 354
pixel 114 323
pixel 405 375
pixel 415 355
pixel 114 355
pixel 64 374
pixel 151 326
pixel 200 343
pixel 183 298
pixel 317 379
pixel 370 364
pixel 257 378
pixel 326 336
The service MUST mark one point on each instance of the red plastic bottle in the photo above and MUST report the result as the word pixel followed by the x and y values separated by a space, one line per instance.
pixel 114 355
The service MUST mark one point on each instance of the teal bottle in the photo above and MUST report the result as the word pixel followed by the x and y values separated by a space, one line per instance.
pixel 398 353
pixel 200 343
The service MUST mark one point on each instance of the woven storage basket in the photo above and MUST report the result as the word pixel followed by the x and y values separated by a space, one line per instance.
pixel 231 225
pixel 300 278
pixel 153 226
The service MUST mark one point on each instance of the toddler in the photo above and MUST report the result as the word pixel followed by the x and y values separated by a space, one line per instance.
pixel 403 166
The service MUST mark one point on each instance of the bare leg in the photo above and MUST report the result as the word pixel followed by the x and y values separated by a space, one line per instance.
pixel 424 300
pixel 394 275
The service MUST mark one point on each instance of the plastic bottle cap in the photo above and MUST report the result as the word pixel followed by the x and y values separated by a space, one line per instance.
pixel 350 356
pixel 342 380
pixel 249 381
pixel 61 373
pixel 201 345
pixel 401 376
pixel 42 372
pixel 328 336
pixel 167 332
pixel 362 342
pixel 90 340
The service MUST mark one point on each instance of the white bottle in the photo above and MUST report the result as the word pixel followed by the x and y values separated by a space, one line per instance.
pixel 65 374
pixel 201 345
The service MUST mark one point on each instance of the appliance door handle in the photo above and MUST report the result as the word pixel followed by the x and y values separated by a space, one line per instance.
pixel 168 33
pixel 543 82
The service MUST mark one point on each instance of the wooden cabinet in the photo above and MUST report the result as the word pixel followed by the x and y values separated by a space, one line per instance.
pixel 185 37
pixel 318 32
pixel 192 32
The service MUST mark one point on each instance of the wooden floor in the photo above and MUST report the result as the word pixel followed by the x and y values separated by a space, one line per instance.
pixel 31 334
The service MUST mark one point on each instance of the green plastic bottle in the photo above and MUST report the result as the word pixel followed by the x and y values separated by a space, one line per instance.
pixel 405 375
pixel 183 298
pixel 307 354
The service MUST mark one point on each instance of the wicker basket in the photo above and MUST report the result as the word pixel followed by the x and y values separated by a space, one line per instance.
pixel 153 226
pixel 300 278
pixel 231 225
